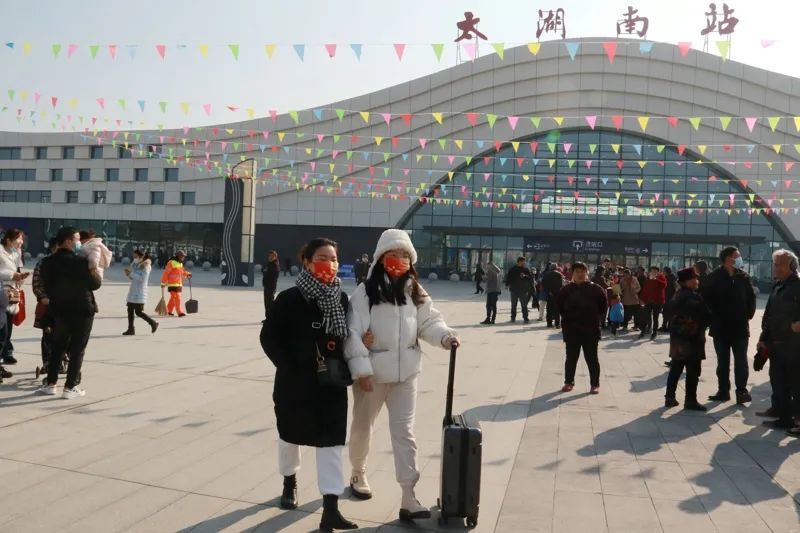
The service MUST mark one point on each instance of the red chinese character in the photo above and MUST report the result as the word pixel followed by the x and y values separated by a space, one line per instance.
pixel 467 26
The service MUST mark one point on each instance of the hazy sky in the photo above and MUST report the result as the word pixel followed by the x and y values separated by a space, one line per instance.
pixel 285 82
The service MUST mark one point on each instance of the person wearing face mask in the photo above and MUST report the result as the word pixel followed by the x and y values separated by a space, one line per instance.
pixel 729 294
pixel 387 317
pixel 69 284
pixel 10 276
pixel 307 323
pixel 139 274
pixel 172 279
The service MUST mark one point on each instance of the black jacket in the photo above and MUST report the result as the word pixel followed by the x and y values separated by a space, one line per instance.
pixel 732 301
pixel 672 286
pixel 688 317
pixel 519 279
pixel 783 308
pixel 582 307
pixel 307 414
pixel 69 284
pixel 552 281
pixel 270 279
pixel 362 268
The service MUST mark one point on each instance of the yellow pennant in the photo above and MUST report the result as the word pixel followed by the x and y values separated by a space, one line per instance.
pixel 269 49
pixel 639 182
pixel 534 48
pixel 552 162
pixel 185 107
pixel 643 122
pixel 281 135
pixel 203 50
pixel 777 148
pixel 642 164
pixel 769 165
pixel 459 143
pixel 250 112
pixel 702 148
pixel 438 117
pixel 615 147
pixel 365 116
pixel 558 120
pixel 515 145
pixel 773 123
pixel 229 131
pixel 378 141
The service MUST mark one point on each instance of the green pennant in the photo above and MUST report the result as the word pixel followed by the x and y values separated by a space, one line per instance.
pixel 695 122
pixel 552 147
pixel 442 143
pixel 725 122
pixel 11 94
pixel 121 102
pixel 349 154
pixel 163 106
pixel 319 151
pixel 340 114
pixel 386 172
pixel 386 156
pixel 438 49
pixel 300 135
pixel 536 121
pixel 336 138
pixel 491 119
pixel 234 48
pixel 468 159
pixel 93 50
pixel 435 158
pixel 295 116
pixel 592 148
pixel 56 50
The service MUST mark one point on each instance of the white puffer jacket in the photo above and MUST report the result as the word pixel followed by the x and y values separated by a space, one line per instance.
pixel 395 355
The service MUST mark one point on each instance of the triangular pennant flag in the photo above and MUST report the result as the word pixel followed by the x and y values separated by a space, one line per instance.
pixel 638 148
pixel 300 50
pixel 295 116
pixel 101 102
pixel 234 48
pixel 643 121
pixel 340 114
pixel 399 48
pixel 141 105
pixel 437 117
pixel 185 107
pixel 591 120
pixel 163 106
pixel 558 120
pixel 536 121
pixel 751 123
pixel 592 148
pixel 683 48
pixel 93 50
pixel 773 123
pixel 26 48
pixel 500 49
pixel 724 122
pixel 71 49
pixel 512 122
pixel 203 50
pixel 331 49
pixel 364 116
pixel 112 51
pixel 534 48
pixel 724 48
pixel 160 48
pixel 56 50
pixel 470 48
pixel 702 148
pixel 572 48
pixel 645 47
pixel 611 50
pixel 491 119
pixel 438 48
pixel 356 50
pixel 269 49
pixel 695 122
pixel 617 120
pixel 797 123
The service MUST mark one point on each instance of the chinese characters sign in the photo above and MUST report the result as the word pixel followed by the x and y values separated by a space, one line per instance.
pixel 632 23
pixel 468 27
pixel 725 26
pixel 553 23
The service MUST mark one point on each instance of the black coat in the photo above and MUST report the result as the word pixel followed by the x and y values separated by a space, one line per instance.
pixel 69 284
pixel 672 286
pixel 582 307
pixel 307 414
pixel 270 279
pixel 519 280
pixel 552 281
pixel 732 301
pixel 689 317
pixel 783 308
pixel 362 269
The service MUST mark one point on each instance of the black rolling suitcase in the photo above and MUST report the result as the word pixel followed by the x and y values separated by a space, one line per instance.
pixel 192 305
pixel 461 462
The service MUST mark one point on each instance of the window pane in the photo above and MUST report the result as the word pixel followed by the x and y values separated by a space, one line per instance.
pixel 141 174
pixel 187 198
pixel 157 198
pixel 56 174
pixel 68 152
pixel 112 174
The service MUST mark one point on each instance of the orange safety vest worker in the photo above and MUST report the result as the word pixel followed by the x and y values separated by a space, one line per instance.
pixel 172 278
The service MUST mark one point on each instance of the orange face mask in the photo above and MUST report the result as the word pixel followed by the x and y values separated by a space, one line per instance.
pixel 324 271
pixel 396 266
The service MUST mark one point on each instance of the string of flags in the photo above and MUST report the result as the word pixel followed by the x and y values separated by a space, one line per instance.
pixel 113 51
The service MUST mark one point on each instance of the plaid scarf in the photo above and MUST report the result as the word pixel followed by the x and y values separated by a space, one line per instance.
pixel 329 300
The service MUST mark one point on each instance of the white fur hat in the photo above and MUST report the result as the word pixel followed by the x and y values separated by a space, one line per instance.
pixel 393 239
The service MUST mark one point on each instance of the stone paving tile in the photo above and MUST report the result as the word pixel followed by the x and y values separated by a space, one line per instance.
pixel 177 433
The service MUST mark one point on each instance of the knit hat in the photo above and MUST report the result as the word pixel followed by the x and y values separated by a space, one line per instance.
pixel 686 274
pixel 392 239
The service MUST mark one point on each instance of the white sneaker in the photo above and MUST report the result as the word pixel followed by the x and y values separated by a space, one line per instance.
pixel 48 390
pixel 359 486
pixel 72 393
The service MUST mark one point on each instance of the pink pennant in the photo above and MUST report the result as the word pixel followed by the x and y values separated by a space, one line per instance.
pixel 787 166
pixel 589 163
pixel 186 130
pixel 71 49
pixel 334 153
pixel 94 121
pixel 588 181
pixel 486 176
pixel 265 134
pixel 331 49
pixel 512 121
pixel 162 50
pixel 232 108
pixel 591 120
pixel 207 108
pixel 313 165
pixel 567 147
pixel 54 101
pixel 450 159
pixel 787 183
pixel 112 50
pixel 399 48
pixel 320 137
pixel 472 118
pixel 683 48
pixel 423 142
pixel 406 171
pixel 273 115
pixel 620 164
pixel 672 121
pixel 611 50
pixel 617 120
pixel 731 196
pixel 766 43
pixel 387 117
pixel 751 122
pixel 470 49
pixel 36 97
pixel 101 102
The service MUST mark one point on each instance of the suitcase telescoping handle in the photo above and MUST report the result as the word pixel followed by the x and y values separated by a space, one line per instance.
pixel 448 408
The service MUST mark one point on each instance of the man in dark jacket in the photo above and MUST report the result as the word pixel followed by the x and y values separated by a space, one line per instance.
pixel 362 269
pixel 582 306
pixel 552 281
pixel 732 300
pixel 519 281
pixel 780 339
pixel 69 284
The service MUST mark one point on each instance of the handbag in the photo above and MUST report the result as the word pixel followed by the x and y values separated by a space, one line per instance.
pixel 19 317
pixel 331 371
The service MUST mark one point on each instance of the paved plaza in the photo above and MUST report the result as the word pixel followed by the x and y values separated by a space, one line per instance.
pixel 177 433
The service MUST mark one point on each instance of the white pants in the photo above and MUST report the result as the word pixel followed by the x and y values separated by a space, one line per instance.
pixel 330 477
pixel 542 308
pixel 401 401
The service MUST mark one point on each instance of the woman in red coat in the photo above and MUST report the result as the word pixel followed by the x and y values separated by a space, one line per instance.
pixel 653 297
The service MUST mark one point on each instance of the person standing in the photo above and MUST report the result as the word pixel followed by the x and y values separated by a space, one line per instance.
pixel 732 300
pixel 139 274
pixel 479 273
pixel 672 282
pixel 519 281
pixel 43 320
pixel 630 296
pixel 552 281
pixel 582 306
pixel 269 279
pixel 541 295
pixel 701 267
pixel 780 339
pixel 306 326
pixel 653 297
pixel 362 268
pixel 616 312
pixel 11 276
pixel 388 316
pixel 172 279
pixel 689 317
pixel 69 285
pixel 492 291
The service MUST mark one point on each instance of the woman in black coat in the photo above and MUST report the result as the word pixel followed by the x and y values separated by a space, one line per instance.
pixel 270 272
pixel 306 323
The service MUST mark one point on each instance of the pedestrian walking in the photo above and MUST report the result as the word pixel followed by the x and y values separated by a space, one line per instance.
pixel 780 343
pixel 479 273
pixel 630 289
pixel 553 281
pixel 172 279
pixel 689 316
pixel 303 336
pixel 269 279
pixel 616 313
pixel 11 275
pixel 730 295
pixel 582 306
pixel 492 291
pixel 519 281
pixel 69 284
pixel 653 296
pixel 139 274
pixel 388 316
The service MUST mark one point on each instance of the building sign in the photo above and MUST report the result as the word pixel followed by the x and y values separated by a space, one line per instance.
pixel 552 22
pixel 632 23
pixel 726 26
pixel 586 246
pixel 468 27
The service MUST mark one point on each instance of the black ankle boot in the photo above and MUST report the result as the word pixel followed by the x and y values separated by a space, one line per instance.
pixel 331 517
pixel 670 401
pixel 289 496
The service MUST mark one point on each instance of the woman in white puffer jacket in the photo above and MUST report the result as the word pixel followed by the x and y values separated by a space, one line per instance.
pixel 388 315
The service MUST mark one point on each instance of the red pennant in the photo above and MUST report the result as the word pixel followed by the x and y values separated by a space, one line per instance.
pixel 406 118
pixel 620 164
pixel 617 120
pixel 473 118
pixel 353 139
pixel 520 162
pixel 534 147
pixel 611 50
pixel 395 142
pixel 497 145
pixel 672 121
pixel 487 159
pixel 54 101
pixel 681 149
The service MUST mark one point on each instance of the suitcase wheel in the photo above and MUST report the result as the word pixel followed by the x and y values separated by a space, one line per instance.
pixel 472 521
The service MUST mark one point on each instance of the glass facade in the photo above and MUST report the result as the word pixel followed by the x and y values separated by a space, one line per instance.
pixel 585 195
